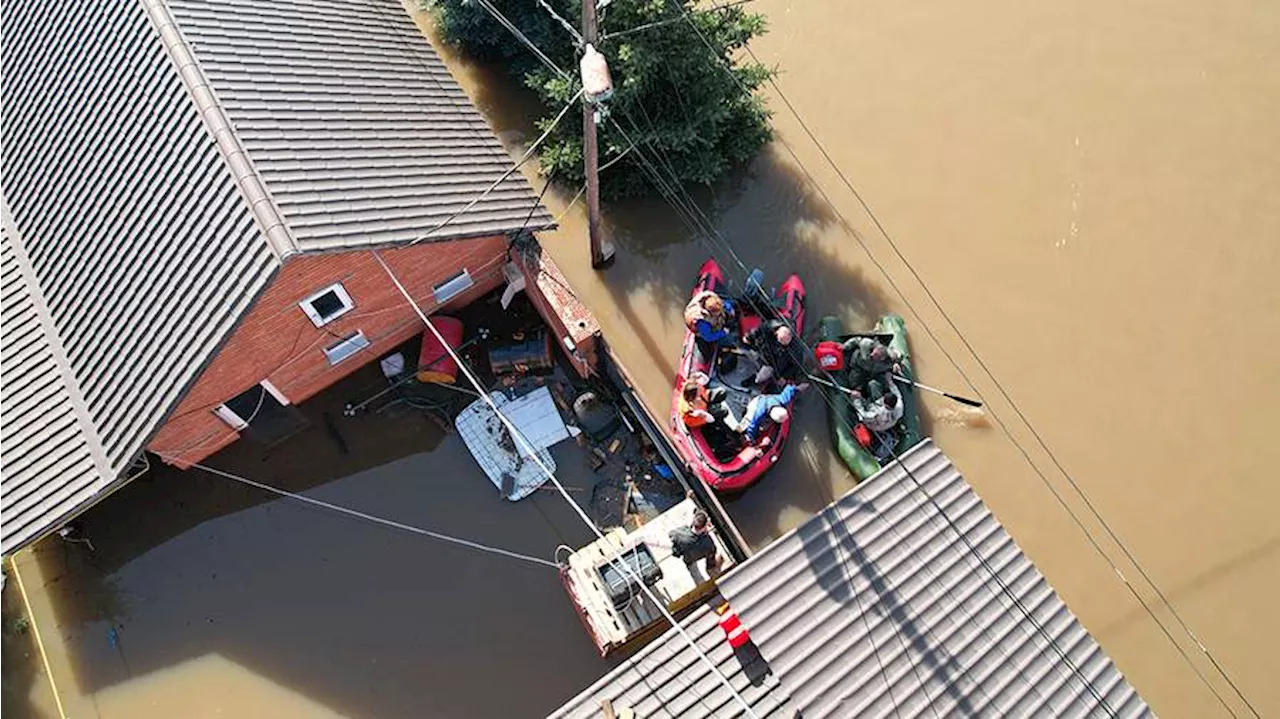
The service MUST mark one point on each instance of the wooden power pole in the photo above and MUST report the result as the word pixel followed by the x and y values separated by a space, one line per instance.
pixel 601 249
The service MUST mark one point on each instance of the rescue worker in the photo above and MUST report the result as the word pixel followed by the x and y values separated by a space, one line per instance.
pixel 871 366
pixel 699 406
pixel 766 408
pixel 880 415
pixel 774 342
pixel 707 317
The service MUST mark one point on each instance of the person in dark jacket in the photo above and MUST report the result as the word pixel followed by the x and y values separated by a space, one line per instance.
pixel 779 358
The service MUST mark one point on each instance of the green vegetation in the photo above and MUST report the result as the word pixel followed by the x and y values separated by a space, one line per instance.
pixel 672 94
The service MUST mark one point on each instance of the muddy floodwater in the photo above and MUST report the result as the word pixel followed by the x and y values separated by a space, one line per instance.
pixel 1089 190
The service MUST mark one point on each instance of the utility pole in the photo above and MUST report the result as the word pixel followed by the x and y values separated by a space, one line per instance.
pixel 598 86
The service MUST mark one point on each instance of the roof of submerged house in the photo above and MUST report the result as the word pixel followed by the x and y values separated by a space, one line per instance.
pixel 880 606
pixel 161 160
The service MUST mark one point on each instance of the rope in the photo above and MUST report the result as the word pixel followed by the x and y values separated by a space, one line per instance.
pixel 378 520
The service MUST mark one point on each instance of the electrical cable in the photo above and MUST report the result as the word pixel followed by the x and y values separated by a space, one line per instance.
pixel 532 453
pixel 1005 394
pixel 376 519
pixel 692 208
pixel 525 158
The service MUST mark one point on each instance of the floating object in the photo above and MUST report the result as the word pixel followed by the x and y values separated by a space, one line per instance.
pixel 614 445
pixel 725 472
pixel 596 417
pixel 437 364
pixel 500 455
pixel 531 355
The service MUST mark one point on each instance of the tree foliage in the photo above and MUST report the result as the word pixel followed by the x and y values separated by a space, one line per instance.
pixel 672 94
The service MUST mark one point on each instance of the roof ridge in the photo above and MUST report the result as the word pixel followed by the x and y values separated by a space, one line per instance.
pixel 53 339
pixel 248 180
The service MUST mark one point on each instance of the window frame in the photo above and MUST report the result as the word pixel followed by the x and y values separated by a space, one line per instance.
pixel 350 340
pixel 309 309
pixel 460 277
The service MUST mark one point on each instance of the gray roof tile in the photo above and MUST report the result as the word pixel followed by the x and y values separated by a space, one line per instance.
pixel 876 607
pixel 355 125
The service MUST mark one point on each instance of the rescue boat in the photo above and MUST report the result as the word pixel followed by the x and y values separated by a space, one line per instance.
pixel 865 452
pixel 723 461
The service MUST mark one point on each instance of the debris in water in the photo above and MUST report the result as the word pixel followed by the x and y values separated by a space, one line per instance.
pixel 967 417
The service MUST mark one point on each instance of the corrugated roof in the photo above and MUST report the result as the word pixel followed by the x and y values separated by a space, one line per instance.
pixel 130 226
pixel 877 606
pixel 667 680
pixel 356 127
pixel 46 433
pixel 160 160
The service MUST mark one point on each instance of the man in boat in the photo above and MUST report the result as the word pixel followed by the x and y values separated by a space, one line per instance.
pixel 872 365
pixel 774 341
pixel 766 408
pixel 707 317
pixel 881 414
pixel 700 406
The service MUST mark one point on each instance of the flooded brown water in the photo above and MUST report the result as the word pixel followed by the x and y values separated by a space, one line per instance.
pixel 1089 191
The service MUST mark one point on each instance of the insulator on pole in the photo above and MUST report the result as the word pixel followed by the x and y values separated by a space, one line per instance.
pixel 596 82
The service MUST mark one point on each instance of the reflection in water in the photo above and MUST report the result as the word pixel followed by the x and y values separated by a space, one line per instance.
pixel 1088 188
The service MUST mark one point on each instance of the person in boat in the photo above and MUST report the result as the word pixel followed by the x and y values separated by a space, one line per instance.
pixel 700 406
pixel 694 542
pixel 882 413
pixel 766 408
pixel 872 365
pixel 707 317
pixel 775 343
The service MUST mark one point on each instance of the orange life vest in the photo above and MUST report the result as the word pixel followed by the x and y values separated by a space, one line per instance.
pixel 687 409
pixel 696 311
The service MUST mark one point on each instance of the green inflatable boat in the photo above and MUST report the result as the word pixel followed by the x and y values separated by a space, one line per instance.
pixel 862 461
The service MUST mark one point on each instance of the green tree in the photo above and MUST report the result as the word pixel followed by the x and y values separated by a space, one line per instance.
pixel 672 94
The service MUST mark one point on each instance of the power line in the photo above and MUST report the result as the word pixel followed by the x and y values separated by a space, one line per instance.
pixel 376 519
pixel 1017 603
pixel 1004 393
pixel 511 428
pixel 503 178
pixel 532 452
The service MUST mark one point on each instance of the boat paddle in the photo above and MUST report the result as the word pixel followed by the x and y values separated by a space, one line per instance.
pixel 948 395
pixel 927 388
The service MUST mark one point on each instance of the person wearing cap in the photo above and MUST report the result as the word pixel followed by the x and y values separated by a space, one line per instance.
pixel 766 408
pixel 775 342
pixel 872 365
pixel 707 317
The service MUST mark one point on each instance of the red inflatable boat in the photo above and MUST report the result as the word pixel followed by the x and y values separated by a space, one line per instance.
pixel 716 454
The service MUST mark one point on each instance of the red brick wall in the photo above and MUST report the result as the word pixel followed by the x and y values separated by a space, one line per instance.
pixel 277 341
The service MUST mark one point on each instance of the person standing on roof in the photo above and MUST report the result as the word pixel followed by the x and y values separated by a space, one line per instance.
pixel 707 317
pixel 766 408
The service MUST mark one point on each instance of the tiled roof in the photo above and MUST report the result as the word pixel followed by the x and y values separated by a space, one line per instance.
pixel 160 161
pixel 667 680
pixel 359 132
pixel 878 607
